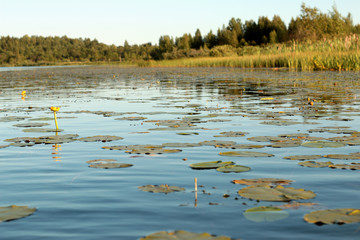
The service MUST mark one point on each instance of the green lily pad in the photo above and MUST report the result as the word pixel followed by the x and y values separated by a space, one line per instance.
pixel 164 188
pixel 12 119
pixel 323 144
pixel 265 214
pixel 131 118
pixel 245 154
pixel 333 216
pixel 187 133
pixel 285 144
pixel 42 130
pixel 303 157
pixel 210 165
pixel 314 164
pixel 216 143
pixel 351 156
pixel 280 122
pixel 351 166
pixel 266 139
pixel 232 134
pixel 181 145
pixel 100 138
pixel 242 146
pixel 267 181
pixel 22 144
pixel 233 168
pixel 31 124
pixel 183 235
pixel 277 194
pixel 42 119
pixel 14 212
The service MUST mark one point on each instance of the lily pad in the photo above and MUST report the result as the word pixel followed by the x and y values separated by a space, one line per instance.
pixel 265 214
pixel 333 216
pixel 351 156
pixel 323 144
pixel 233 168
pixel 277 194
pixel 184 235
pixel 107 163
pixel 265 139
pixel 242 146
pixel 180 145
pixel 12 119
pixel 42 130
pixel 351 166
pixel 232 134
pixel 100 138
pixel 164 188
pixel 210 165
pixel 14 212
pixel 245 154
pixel 303 157
pixel 31 124
pixel 216 143
pixel 315 164
pixel 187 133
pixel 131 118
pixel 267 181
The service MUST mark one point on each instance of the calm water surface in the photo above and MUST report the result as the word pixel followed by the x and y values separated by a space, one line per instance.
pixel 74 201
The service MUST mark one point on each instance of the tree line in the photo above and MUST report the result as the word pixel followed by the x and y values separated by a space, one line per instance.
pixel 310 25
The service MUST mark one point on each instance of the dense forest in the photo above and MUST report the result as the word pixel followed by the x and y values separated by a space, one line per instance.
pixel 234 39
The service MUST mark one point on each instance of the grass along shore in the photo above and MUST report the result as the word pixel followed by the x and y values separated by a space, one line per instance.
pixel 328 54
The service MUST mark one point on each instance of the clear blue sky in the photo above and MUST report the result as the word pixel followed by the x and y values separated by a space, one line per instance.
pixel 141 21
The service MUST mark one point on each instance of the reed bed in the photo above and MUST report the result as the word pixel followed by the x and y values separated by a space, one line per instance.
pixel 328 54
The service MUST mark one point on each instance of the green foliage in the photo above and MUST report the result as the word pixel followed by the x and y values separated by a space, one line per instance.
pixel 265 43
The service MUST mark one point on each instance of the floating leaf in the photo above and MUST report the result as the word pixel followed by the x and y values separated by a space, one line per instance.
pixel 233 168
pixel 241 146
pixel 131 118
pixel 184 235
pixel 12 119
pixel 210 165
pixel 216 143
pixel 35 124
pixel 285 144
pixel 323 144
pixel 280 122
pixel 181 145
pixel 164 188
pixel 232 134
pixel 267 181
pixel 277 194
pixel 187 133
pixel 351 166
pixel 333 216
pixel 100 138
pixel 351 156
pixel 265 214
pixel 42 130
pixel 245 154
pixel 303 157
pixel 265 139
pixel 14 212
pixel 314 164
pixel 107 163
pixel 296 205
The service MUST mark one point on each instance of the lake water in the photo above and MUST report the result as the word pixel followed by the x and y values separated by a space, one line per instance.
pixel 75 201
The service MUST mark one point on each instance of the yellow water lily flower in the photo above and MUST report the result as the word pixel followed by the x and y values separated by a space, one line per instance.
pixel 55 109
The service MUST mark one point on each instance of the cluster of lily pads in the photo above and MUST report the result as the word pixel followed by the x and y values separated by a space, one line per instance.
pixel 259 189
